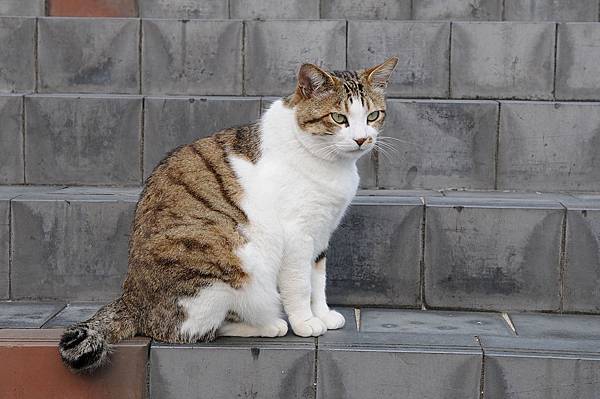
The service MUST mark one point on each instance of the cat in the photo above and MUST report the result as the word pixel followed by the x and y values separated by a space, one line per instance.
pixel 231 227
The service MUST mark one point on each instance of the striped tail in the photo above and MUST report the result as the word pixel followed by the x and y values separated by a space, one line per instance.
pixel 85 346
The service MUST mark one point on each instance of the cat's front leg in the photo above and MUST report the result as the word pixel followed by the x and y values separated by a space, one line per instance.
pixel 295 286
pixel 332 319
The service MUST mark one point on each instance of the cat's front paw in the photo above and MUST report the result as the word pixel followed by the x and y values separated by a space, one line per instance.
pixel 277 329
pixel 312 327
pixel 333 320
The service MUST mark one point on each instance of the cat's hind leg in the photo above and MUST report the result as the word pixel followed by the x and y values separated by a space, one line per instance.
pixel 205 312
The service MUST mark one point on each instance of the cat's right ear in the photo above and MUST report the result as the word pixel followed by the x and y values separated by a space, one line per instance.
pixel 313 80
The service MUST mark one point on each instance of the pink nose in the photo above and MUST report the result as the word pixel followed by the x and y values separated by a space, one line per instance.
pixel 360 141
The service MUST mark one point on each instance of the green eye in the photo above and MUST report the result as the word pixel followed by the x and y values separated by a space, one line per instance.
pixel 339 118
pixel 373 116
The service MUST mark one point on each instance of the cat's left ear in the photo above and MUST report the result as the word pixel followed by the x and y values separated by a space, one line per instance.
pixel 379 75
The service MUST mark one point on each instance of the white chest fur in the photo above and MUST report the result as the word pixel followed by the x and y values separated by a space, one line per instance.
pixel 289 186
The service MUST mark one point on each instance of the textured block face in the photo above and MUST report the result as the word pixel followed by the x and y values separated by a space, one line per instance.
pixel 17 59
pixel 422 48
pixel 26 315
pixel 85 55
pixel 439 144
pixel 502 60
pixel 392 373
pixel 540 376
pixel 11 140
pixel 551 10
pixel 22 7
pixel 170 122
pixel 582 273
pixel 367 170
pixel 578 62
pixel 93 140
pixel 360 9
pixel 549 146
pixel 272 66
pixel 186 9
pixel 373 257
pixel 274 9
pixel 457 10
pixel 231 372
pixel 92 8
pixel 559 326
pixel 72 248
pixel 192 57
pixel 492 258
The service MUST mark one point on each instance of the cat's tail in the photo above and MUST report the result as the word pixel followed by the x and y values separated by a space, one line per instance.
pixel 85 346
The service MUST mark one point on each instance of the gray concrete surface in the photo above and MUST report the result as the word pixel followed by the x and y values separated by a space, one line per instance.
pixel 551 10
pixel 360 9
pixel 72 314
pixel 11 139
pixel 187 9
pixel 27 314
pixel 458 10
pixel 17 59
pixel 22 7
pixel 274 9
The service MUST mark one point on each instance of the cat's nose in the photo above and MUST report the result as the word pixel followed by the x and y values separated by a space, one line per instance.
pixel 360 140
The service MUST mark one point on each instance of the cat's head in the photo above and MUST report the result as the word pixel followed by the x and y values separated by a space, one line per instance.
pixel 340 113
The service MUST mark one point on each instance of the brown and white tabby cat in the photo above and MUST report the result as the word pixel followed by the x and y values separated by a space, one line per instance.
pixel 231 227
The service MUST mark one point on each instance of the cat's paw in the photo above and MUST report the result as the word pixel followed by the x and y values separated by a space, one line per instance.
pixel 277 329
pixel 312 327
pixel 333 320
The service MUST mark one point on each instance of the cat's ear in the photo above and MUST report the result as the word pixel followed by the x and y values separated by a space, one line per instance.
pixel 379 75
pixel 313 80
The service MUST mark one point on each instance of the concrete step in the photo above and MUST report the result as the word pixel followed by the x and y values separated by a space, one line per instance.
pixel 467 144
pixel 438 59
pixel 483 10
pixel 448 250
pixel 379 353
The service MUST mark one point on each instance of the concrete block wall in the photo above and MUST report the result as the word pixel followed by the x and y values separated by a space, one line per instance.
pixel 481 10
pixel 438 144
pixel 448 250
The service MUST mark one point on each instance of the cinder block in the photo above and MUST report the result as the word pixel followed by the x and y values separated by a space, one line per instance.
pixel 272 65
pixel 556 326
pixel 4 248
pixel 92 8
pixel 22 7
pixel 422 48
pixel 432 322
pixel 378 365
pixel 274 9
pixel 360 9
pixel 17 59
pixel 549 146
pixel 187 9
pixel 551 10
pixel 246 368
pixel 192 57
pixel 32 369
pixel 170 122
pixel 93 140
pixel 492 254
pixel 502 60
pixel 439 144
pixel 70 247
pixel 578 62
pixel 6 194
pixel 88 55
pixel 11 139
pixel 27 314
pixel 72 314
pixel 457 10
pixel 540 369
pixel 367 169
pixel 374 256
pixel 582 271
